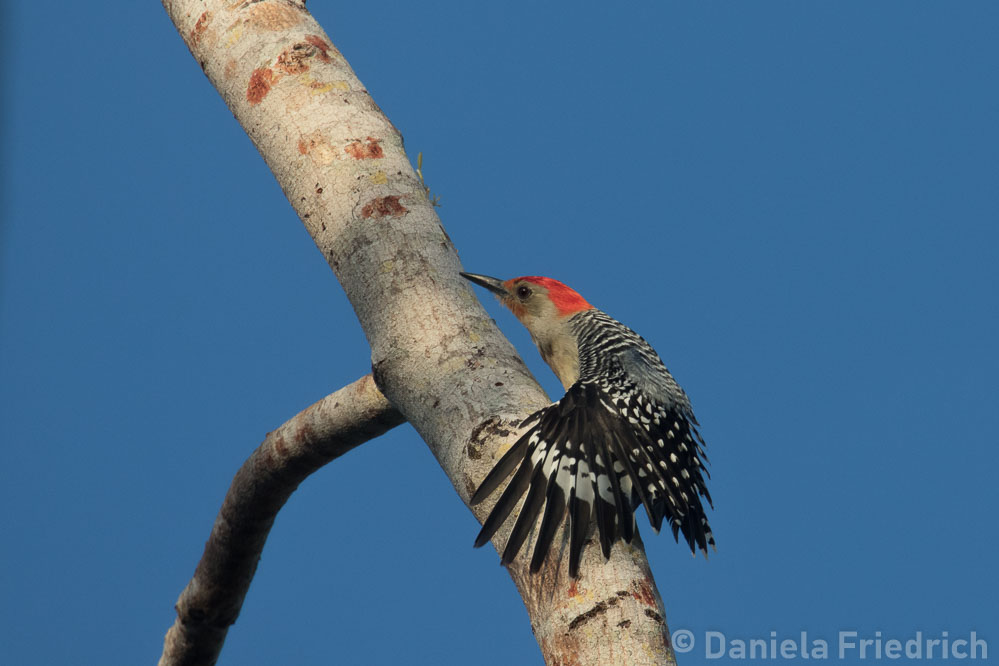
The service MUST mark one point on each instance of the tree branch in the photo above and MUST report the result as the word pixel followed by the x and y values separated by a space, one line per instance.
pixel 211 601
pixel 436 354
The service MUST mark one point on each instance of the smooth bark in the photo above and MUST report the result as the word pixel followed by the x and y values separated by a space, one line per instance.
pixel 436 354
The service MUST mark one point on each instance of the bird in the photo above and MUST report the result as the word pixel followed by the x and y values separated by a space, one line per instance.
pixel 624 434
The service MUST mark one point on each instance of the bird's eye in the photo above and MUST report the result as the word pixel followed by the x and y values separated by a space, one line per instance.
pixel 523 291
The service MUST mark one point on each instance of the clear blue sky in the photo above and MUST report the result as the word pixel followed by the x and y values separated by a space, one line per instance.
pixel 795 202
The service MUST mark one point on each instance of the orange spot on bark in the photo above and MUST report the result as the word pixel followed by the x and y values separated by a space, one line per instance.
pixel 322 45
pixel 319 85
pixel 573 591
pixel 280 446
pixel 383 207
pixel 643 593
pixel 260 84
pixel 361 151
pixel 200 27
pixel 317 146
pixel 273 16
pixel 293 59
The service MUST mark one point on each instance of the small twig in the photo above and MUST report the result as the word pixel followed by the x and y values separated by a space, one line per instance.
pixel 435 199
pixel 211 602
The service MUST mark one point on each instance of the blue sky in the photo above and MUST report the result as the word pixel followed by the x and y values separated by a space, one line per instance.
pixel 795 203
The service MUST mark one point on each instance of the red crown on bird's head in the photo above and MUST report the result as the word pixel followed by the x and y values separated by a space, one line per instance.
pixel 566 300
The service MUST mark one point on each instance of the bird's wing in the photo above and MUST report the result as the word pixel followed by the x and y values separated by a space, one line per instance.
pixel 643 367
pixel 660 412
pixel 562 468
pixel 664 452
pixel 585 456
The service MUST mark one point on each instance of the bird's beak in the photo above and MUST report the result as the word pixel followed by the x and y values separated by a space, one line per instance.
pixel 490 283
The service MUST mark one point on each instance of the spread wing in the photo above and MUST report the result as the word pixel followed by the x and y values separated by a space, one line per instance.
pixel 598 453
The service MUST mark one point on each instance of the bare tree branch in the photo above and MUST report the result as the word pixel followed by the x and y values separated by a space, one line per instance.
pixel 436 354
pixel 211 601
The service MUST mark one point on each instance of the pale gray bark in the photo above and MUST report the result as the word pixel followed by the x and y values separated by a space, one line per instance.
pixel 436 354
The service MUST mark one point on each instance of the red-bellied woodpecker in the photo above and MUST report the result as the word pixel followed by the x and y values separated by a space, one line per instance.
pixel 624 433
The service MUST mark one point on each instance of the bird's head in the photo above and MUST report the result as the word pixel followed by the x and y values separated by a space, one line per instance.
pixel 544 306
pixel 533 298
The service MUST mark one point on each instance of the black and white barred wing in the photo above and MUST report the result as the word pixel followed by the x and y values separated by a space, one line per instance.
pixel 585 457
pixel 563 468
pixel 667 453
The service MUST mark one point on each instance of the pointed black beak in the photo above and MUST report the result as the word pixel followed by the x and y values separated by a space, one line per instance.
pixel 490 283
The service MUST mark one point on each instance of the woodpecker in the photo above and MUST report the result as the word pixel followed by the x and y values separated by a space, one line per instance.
pixel 623 435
